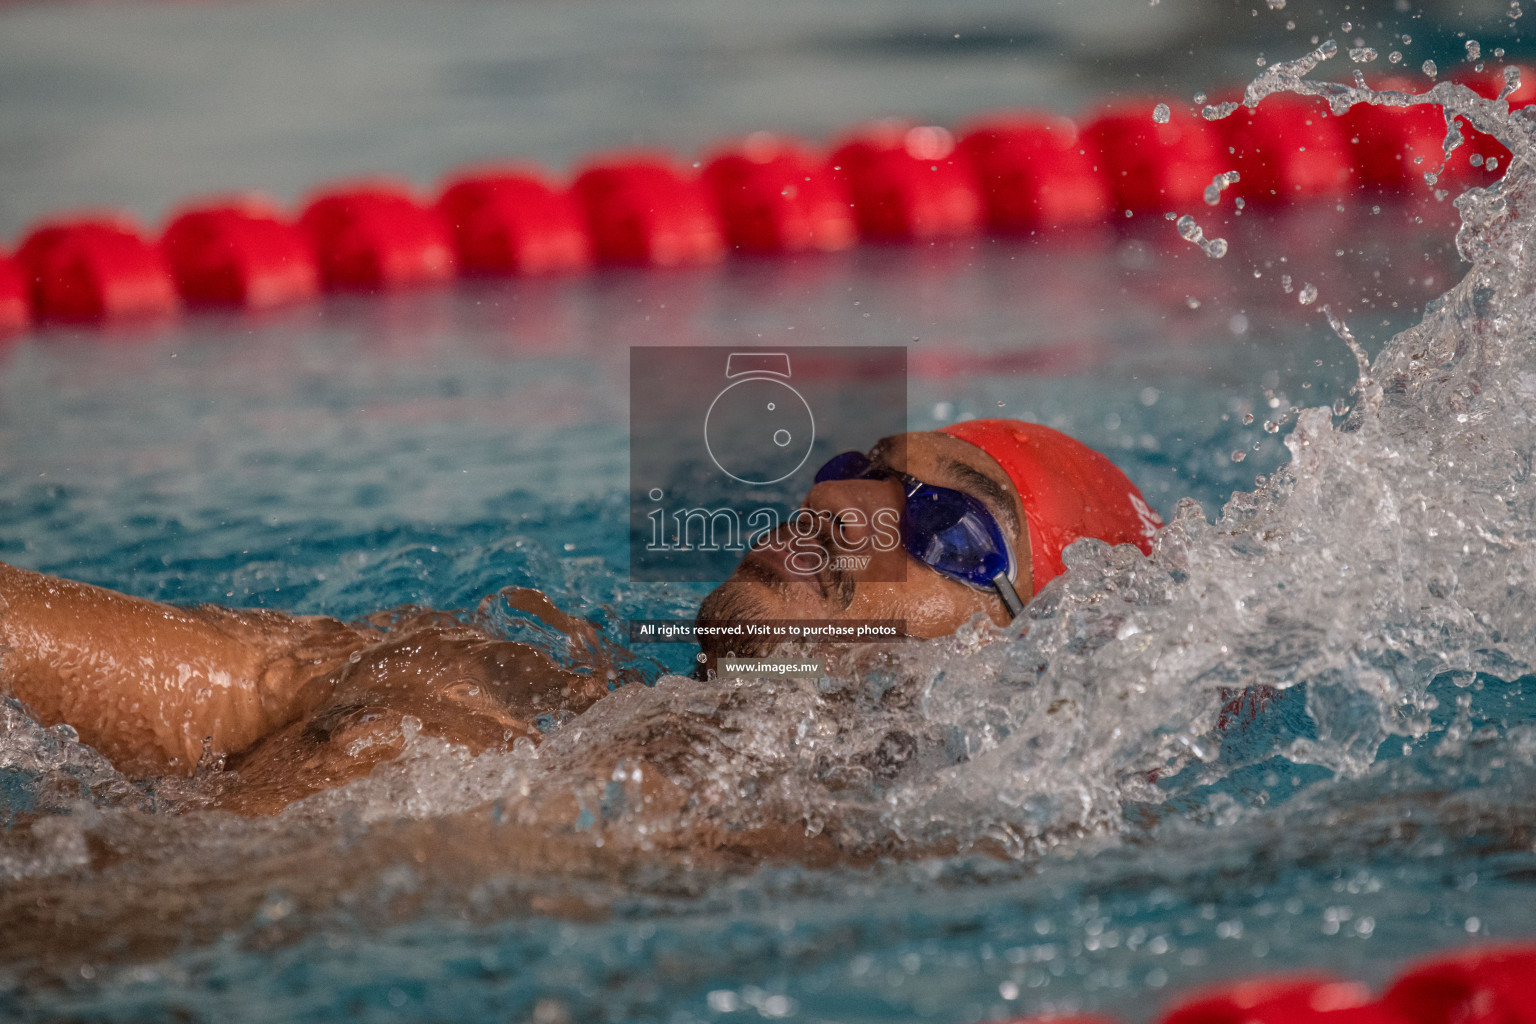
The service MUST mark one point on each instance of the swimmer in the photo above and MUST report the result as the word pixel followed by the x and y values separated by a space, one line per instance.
pixel 291 705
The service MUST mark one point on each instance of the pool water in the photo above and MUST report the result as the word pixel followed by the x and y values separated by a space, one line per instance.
pixel 1112 841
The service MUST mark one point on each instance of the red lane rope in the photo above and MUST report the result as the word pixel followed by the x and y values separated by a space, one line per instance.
pixel 1487 985
pixel 886 182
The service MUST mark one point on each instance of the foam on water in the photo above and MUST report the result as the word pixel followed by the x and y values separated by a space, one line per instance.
pixel 1390 564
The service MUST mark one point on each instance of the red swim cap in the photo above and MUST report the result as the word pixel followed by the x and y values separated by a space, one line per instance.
pixel 1068 489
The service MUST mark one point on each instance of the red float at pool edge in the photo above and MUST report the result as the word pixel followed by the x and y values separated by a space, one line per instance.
pixel 1486 986
pixel 239 254
pixel 376 236
pixel 1151 166
pixel 15 306
pixel 1292 1000
pixel 908 183
pixel 511 221
pixel 641 210
pixel 1288 148
pixel 772 195
pixel 1034 172
pixel 95 268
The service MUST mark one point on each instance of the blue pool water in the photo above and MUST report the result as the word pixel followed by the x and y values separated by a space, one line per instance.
pixel 434 447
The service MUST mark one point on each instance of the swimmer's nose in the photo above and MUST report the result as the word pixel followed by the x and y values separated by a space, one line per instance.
pixel 864 516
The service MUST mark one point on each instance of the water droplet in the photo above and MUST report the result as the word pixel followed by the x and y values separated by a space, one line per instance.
pixel 1191 302
pixel 1219 184
pixel 1514 10
pixel 1285 283
pixel 1247 419
pixel 1362 54
pixel 1160 113
pixel 1340 407
pixel 1271 427
pixel 1239 455
pixel 1394 57
pixel 1308 295
pixel 1276 5
pixel 1428 67
pixel 1511 82
pixel 1261 62
pixel 1215 248
pixel 1492 163
pixel 1474 51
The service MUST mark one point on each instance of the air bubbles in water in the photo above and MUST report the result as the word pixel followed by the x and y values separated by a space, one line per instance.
pixel 1428 67
pixel 1394 57
pixel 1362 54
pixel 1474 51
pixel 1285 283
pixel 1219 111
pixel 1308 295
pixel 1239 455
pixel 1160 113
pixel 1276 5
pixel 1514 10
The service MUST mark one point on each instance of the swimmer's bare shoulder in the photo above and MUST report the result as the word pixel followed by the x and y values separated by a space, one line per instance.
pixel 298 703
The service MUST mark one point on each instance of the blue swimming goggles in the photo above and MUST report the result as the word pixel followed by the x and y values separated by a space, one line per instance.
pixel 945 529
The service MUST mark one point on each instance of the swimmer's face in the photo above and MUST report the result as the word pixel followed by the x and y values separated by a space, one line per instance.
pixel 891 584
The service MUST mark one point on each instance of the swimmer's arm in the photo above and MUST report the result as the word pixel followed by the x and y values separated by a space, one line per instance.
pixel 146 683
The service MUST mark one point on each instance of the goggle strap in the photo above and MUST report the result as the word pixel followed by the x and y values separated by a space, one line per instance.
pixel 1009 595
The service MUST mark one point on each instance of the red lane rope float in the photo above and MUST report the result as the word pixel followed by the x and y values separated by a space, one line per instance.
pixel 15 304
pixel 1288 148
pixel 1153 166
pixel 1035 173
pixel 907 183
pixel 510 221
pixel 95 268
pixel 240 254
pixel 774 195
pixel 1486 985
pixel 642 210
pixel 376 236
pixel 886 182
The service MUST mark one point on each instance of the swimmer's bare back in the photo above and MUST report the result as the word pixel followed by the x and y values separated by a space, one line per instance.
pixel 296 703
